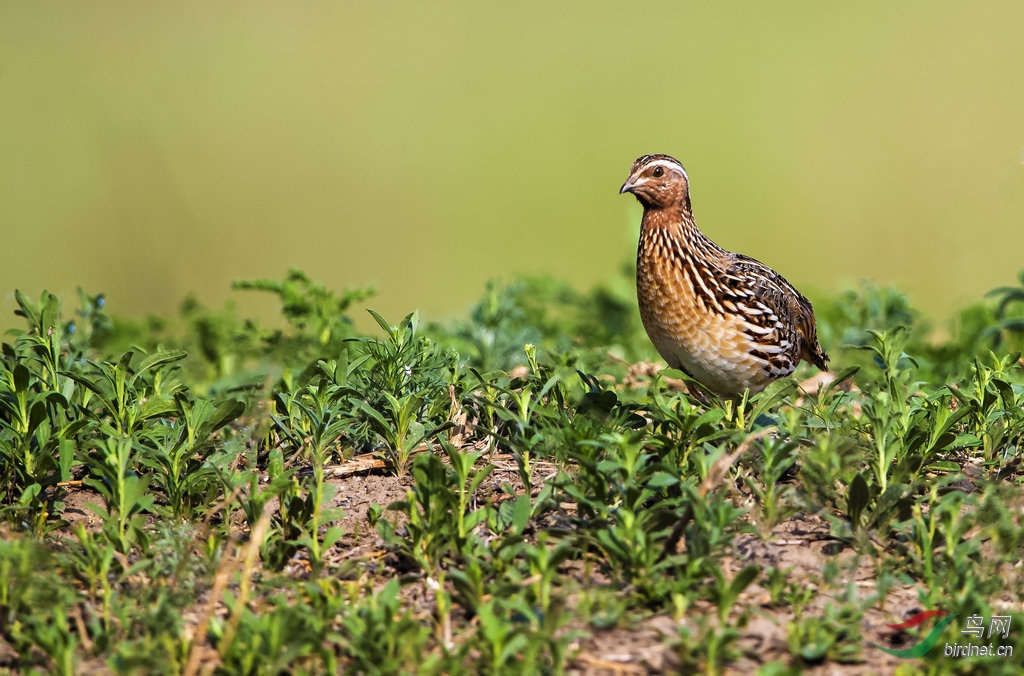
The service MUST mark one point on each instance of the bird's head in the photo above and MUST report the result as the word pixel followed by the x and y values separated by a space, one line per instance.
pixel 659 182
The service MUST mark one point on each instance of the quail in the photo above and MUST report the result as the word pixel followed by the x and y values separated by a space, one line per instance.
pixel 728 321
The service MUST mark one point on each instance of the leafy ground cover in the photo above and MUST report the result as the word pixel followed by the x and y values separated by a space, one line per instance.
pixel 518 492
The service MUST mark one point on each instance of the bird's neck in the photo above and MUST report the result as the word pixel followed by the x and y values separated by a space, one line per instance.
pixel 676 225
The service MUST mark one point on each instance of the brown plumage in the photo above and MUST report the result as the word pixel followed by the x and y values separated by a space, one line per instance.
pixel 727 320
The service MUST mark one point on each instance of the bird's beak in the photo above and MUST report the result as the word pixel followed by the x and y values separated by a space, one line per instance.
pixel 628 185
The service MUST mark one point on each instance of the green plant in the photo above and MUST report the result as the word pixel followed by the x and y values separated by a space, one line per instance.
pixel 29 581
pixel 833 635
pixel 1007 324
pixel 310 307
pixel 776 459
pixel 185 461
pixel 130 397
pixel 574 494
pixel 437 501
pixel 33 454
pixel 405 388
pixel 379 636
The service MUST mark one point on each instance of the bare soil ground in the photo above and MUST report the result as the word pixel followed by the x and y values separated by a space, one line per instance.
pixel 802 544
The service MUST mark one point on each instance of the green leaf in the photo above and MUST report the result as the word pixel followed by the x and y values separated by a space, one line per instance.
pixel 21 378
pixel 383 427
pixel 158 408
pixel 521 514
pixel 383 323
pixel 156 360
pixel 743 580
pixel 103 488
pixel 29 495
pixel 857 498
pixel 331 536
pixel 37 414
pixel 771 396
pixel 1016 325
pixel 91 386
pixel 25 308
pixel 66 455
pixel 224 413
pixel 893 497
pixel 842 376
pixel 662 479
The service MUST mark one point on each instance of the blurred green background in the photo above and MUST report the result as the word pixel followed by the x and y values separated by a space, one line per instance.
pixel 150 150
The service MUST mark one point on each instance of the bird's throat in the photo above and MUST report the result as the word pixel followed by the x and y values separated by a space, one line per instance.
pixel 675 225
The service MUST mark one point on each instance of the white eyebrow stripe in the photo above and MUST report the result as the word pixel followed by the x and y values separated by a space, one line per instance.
pixel 668 165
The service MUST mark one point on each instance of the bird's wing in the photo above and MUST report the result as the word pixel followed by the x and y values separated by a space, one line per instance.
pixel 779 314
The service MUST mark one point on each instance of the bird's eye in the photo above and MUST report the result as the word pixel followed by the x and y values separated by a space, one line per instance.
pixel 658 172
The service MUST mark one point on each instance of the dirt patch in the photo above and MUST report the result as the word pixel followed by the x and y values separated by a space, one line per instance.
pixel 77 510
pixel 802 546
pixel 356 494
